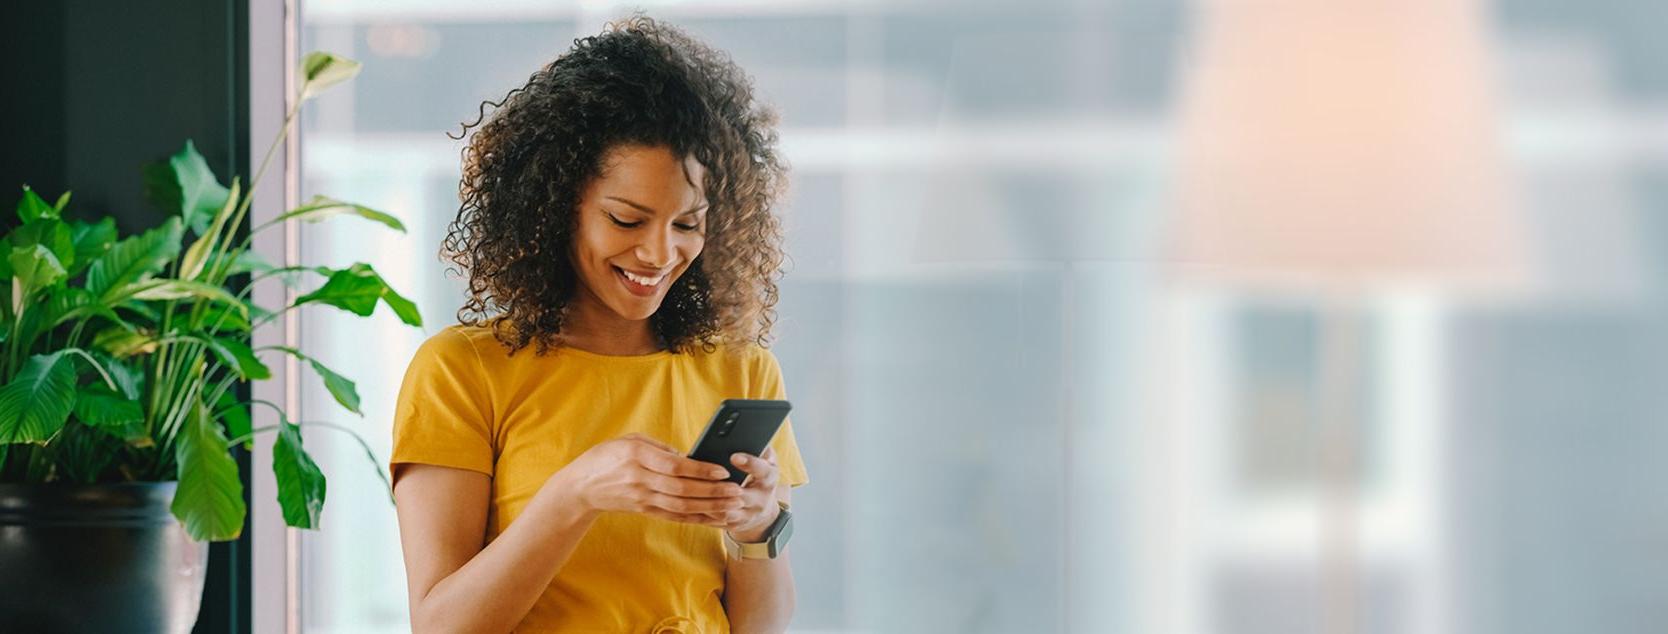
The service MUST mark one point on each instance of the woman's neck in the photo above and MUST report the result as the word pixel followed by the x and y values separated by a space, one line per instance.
pixel 592 327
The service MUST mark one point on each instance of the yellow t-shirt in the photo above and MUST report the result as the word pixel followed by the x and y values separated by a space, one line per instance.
pixel 466 403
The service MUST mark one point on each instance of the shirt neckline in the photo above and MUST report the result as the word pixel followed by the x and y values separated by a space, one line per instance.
pixel 659 354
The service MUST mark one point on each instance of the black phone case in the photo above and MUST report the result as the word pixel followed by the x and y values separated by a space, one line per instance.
pixel 740 425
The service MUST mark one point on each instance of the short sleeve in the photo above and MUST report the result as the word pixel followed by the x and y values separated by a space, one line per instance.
pixel 444 415
pixel 767 383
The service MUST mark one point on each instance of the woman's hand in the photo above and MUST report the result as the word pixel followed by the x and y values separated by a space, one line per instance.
pixel 638 474
pixel 759 509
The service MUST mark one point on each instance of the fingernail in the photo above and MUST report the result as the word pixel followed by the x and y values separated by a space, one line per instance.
pixel 741 458
pixel 719 473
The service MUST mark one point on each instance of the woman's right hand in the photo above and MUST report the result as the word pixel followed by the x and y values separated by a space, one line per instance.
pixel 638 474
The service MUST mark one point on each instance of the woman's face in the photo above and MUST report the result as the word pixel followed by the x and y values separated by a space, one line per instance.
pixel 641 223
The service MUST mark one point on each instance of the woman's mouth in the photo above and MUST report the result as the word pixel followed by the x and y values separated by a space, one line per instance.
pixel 638 285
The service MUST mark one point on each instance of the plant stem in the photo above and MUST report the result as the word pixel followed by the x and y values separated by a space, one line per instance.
pixel 387 485
pixel 251 435
pixel 275 314
pixel 250 287
pixel 75 333
pixel 220 389
pixel 96 366
pixel 218 275
pixel 158 363
pixel 176 411
pixel 11 341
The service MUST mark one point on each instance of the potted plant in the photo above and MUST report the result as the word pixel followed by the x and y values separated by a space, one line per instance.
pixel 118 413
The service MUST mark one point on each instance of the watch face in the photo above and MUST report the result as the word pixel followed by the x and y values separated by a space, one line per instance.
pixel 779 538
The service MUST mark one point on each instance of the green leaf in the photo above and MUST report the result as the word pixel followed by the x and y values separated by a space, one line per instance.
pixel 300 483
pixel 122 342
pixel 134 259
pixel 344 391
pixel 97 406
pixel 237 356
pixel 130 380
pixel 31 208
pixel 35 267
pixel 181 289
pixel 356 289
pixel 62 304
pixel 197 254
pixel 140 308
pixel 69 302
pixel 91 240
pixel 63 199
pixel 236 417
pixel 321 208
pixel 186 186
pixel 403 307
pixel 321 70
pixel 209 499
pixel 38 400
pixel 51 233
pixel 191 264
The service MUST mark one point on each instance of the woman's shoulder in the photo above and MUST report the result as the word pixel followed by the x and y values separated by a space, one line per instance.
pixel 747 358
pixel 455 343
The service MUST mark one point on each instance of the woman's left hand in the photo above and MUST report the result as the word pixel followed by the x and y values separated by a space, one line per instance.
pixel 758 494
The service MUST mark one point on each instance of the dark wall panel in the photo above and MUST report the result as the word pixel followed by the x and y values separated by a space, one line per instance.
pixel 93 90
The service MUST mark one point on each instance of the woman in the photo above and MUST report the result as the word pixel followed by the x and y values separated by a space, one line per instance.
pixel 621 254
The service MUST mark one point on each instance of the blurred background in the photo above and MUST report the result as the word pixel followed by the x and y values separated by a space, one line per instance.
pixel 1239 316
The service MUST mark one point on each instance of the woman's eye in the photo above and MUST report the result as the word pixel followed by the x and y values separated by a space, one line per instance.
pixel 686 227
pixel 623 223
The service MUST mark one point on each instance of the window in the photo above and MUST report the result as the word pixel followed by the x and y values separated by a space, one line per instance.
pixel 1011 421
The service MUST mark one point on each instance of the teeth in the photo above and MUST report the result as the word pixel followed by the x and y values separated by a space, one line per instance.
pixel 646 281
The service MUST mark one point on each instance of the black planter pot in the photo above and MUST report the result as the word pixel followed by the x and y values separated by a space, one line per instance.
pixel 96 558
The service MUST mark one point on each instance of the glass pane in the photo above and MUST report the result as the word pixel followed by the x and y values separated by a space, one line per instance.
pixel 1019 409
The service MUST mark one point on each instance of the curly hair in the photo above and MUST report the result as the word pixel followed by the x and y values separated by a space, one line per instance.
pixel 638 82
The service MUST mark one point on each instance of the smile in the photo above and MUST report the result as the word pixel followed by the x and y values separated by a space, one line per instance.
pixel 637 284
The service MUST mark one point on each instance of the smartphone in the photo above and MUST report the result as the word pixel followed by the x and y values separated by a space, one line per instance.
pixel 740 425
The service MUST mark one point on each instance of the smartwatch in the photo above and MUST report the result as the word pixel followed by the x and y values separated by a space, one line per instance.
pixel 775 538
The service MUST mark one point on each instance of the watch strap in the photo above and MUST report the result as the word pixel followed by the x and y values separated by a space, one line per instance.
pixel 775 538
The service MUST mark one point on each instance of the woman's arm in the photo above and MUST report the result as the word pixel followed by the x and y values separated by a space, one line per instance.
pixel 455 585
pixel 759 593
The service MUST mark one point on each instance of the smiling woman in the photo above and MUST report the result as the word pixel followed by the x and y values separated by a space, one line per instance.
pixel 624 243
pixel 612 102
pixel 617 219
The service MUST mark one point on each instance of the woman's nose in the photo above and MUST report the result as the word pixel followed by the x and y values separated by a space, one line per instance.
pixel 657 249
